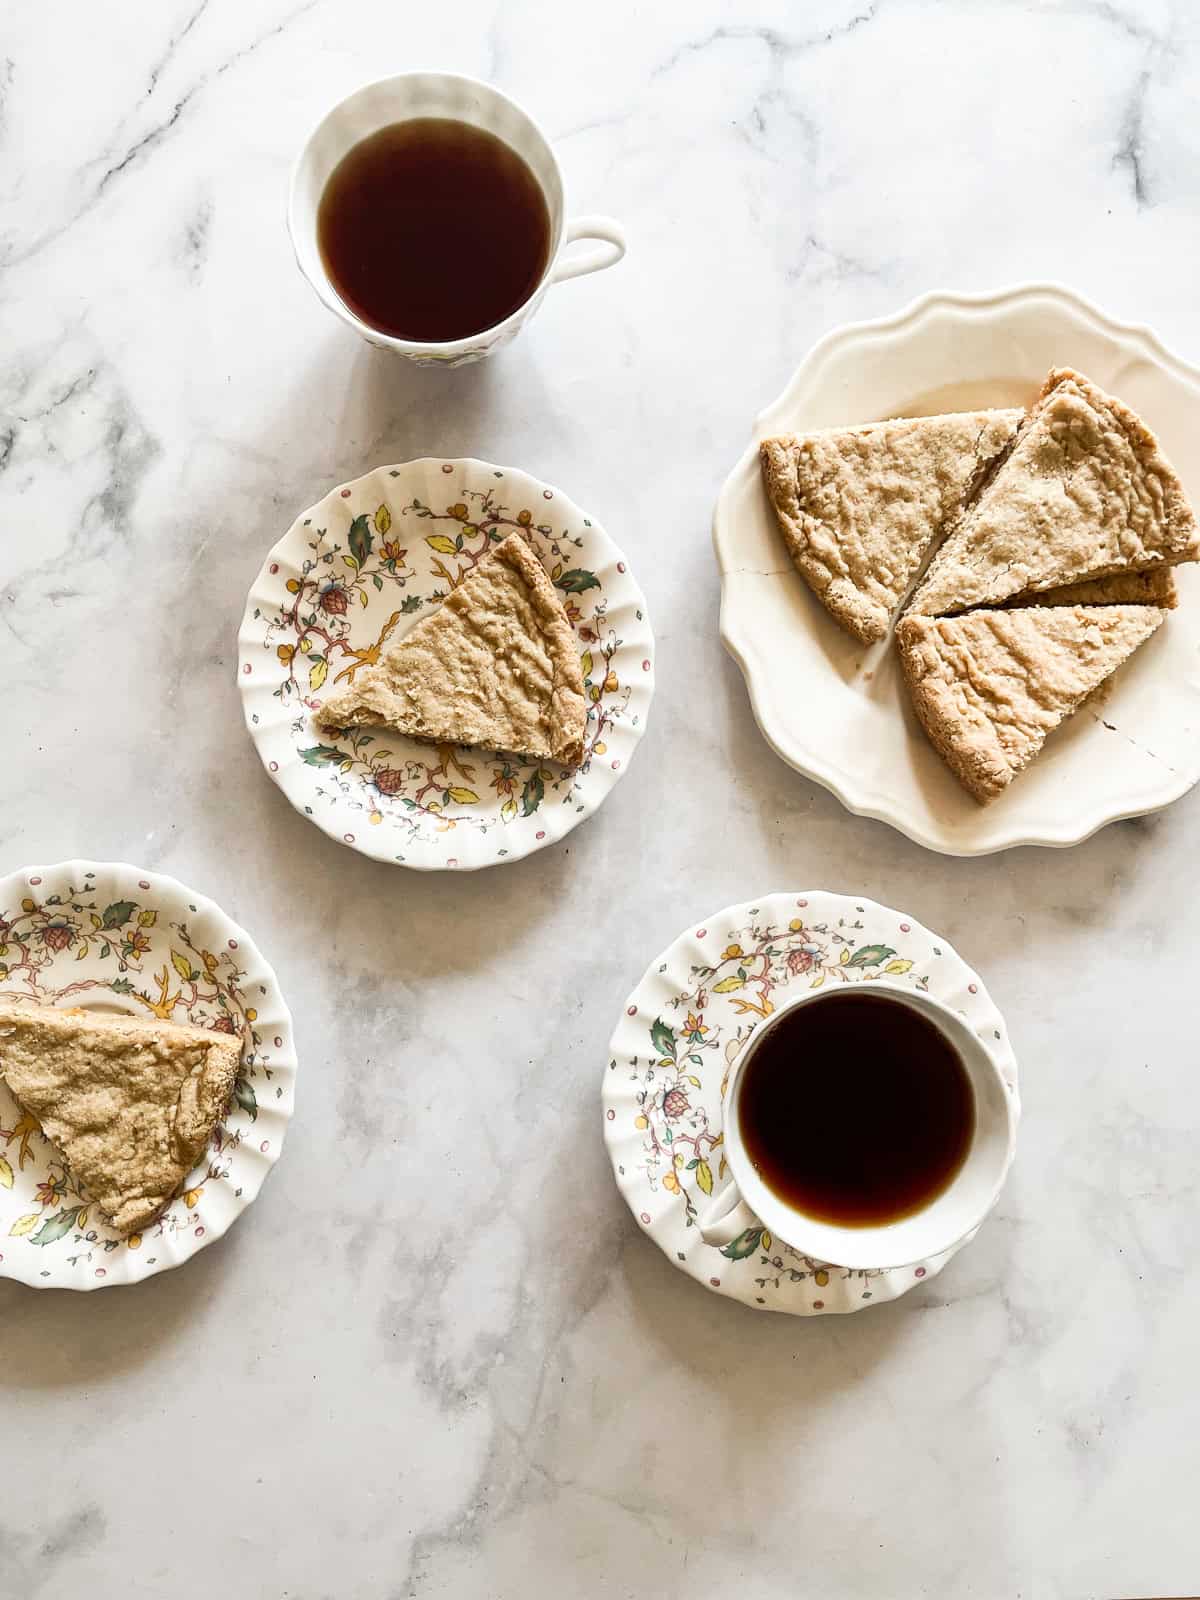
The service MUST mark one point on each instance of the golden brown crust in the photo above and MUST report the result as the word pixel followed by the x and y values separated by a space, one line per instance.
pixel 1085 493
pixel 495 666
pixel 989 686
pixel 130 1102
pixel 860 507
pixel 569 706
pixel 1153 588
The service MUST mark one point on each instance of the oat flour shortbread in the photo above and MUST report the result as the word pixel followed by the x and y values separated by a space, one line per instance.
pixel 1153 588
pixel 859 508
pixel 130 1102
pixel 496 665
pixel 989 686
pixel 1085 492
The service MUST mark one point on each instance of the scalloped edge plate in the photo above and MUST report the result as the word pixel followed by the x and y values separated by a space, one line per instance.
pixel 394 799
pixel 810 937
pixel 836 710
pixel 85 1253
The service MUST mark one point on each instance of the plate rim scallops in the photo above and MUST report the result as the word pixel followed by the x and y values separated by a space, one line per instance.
pixel 837 709
pixel 351 579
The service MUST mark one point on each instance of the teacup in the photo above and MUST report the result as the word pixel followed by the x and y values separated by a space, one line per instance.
pixel 746 1201
pixel 441 94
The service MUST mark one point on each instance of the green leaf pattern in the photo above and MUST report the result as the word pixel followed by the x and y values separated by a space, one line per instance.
pixel 56 1227
pixel 361 539
pixel 871 955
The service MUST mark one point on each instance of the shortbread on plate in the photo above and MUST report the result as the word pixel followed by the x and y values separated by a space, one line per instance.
pixel 1085 492
pixel 859 508
pixel 495 666
pixel 1153 588
pixel 989 686
pixel 130 1102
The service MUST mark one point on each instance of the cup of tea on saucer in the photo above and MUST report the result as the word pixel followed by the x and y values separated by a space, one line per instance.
pixel 428 212
pixel 867 1126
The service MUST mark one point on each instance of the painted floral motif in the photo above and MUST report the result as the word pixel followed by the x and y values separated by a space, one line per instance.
pixel 78 945
pixel 670 1070
pixel 346 598
pixel 682 1152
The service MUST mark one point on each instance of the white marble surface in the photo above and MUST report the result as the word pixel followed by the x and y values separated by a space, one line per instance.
pixel 436 1358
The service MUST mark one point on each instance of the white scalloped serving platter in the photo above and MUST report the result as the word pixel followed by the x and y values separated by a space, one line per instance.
pixel 835 709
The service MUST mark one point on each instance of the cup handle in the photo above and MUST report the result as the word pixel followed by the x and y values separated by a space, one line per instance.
pixel 607 255
pixel 725 1216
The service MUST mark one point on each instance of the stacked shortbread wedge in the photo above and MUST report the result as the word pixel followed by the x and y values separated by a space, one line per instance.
pixel 1036 547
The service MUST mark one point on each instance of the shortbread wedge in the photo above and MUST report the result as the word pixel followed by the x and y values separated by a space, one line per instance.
pixel 859 508
pixel 1085 492
pixel 130 1102
pixel 1153 588
pixel 988 687
pixel 496 665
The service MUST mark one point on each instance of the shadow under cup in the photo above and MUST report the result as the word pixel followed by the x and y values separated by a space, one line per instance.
pixel 946 1219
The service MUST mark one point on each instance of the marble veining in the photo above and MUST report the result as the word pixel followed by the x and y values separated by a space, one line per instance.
pixel 436 1358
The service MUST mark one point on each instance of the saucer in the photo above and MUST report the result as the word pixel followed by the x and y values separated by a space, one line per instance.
pixel 119 939
pixel 669 1060
pixel 357 570
pixel 853 729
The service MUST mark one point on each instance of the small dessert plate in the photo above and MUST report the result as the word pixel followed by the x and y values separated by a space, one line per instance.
pixel 838 711
pixel 119 939
pixel 668 1067
pixel 356 571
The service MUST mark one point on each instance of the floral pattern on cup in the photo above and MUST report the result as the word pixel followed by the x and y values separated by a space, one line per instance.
pixel 669 1065
pixel 347 580
pixel 115 940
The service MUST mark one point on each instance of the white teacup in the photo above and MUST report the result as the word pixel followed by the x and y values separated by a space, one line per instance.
pixel 441 94
pixel 746 1201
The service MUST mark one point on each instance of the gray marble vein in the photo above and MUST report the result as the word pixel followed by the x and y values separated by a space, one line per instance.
pixel 437 1360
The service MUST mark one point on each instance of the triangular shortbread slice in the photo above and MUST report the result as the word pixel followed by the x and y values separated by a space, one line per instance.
pixel 989 686
pixel 1086 491
pixel 496 665
pixel 130 1102
pixel 1153 588
pixel 859 508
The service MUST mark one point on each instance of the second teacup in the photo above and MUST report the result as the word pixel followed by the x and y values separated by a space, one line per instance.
pixel 868 1126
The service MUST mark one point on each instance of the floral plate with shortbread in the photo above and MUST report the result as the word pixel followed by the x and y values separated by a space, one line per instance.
pixel 446 664
pixel 958 570
pixel 147 1074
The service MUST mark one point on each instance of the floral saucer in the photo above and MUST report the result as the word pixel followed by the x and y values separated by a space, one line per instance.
pixel 669 1059
pixel 357 570
pixel 117 939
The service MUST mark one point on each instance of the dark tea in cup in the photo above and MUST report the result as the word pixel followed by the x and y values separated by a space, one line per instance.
pixel 856 1109
pixel 432 229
